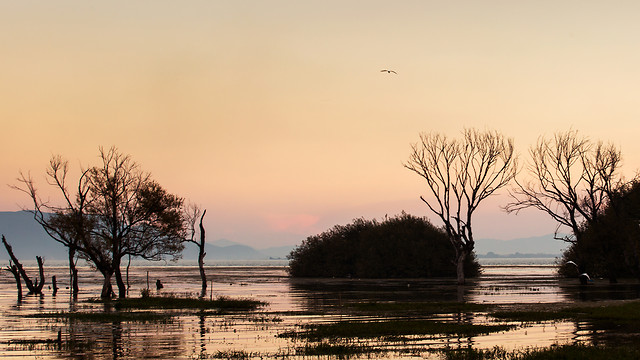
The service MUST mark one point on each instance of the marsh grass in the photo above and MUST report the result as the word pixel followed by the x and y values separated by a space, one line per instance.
pixel 419 307
pixel 564 352
pixel 626 313
pixel 341 350
pixel 105 316
pixel 390 329
pixel 220 304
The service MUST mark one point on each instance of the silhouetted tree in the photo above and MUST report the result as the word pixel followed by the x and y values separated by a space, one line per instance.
pixel 460 174
pixel 132 214
pixel 193 214
pixel 65 223
pixel 403 246
pixel 571 178
pixel 117 211
pixel 36 288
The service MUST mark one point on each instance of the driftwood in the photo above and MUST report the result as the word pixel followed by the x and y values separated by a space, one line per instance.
pixel 201 255
pixel 33 288
pixel 16 274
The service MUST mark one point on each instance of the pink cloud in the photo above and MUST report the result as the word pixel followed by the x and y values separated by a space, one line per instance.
pixel 298 223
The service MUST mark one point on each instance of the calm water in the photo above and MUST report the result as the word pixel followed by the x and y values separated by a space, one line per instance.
pixel 292 303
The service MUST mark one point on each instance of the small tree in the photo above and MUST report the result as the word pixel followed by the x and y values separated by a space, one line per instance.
pixel 117 211
pixel 63 223
pixel 460 174
pixel 193 214
pixel 132 214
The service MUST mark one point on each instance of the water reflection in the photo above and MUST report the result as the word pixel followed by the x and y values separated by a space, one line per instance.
pixel 292 303
pixel 325 294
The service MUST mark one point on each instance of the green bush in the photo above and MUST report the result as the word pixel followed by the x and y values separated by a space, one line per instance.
pixel 403 246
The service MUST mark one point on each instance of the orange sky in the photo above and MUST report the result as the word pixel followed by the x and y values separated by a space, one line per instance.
pixel 274 115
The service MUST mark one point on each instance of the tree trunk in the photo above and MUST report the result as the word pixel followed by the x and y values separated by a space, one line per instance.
pixel 107 289
pixel 122 287
pixel 73 272
pixel 461 256
pixel 54 285
pixel 33 289
pixel 201 254
pixel 40 285
pixel 16 274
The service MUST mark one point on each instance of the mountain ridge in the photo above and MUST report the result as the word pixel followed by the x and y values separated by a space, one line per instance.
pixel 29 240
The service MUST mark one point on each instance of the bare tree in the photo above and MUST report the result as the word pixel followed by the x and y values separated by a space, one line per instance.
pixel 63 223
pixel 193 214
pixel 460 174
pixel 36 288
pixel 571 178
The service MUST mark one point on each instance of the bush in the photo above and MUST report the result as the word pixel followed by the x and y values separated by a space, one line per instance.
pixel 403 246
pixel 610 245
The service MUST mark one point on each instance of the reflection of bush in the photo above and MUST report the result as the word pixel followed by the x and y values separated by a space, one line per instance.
pixel 403 246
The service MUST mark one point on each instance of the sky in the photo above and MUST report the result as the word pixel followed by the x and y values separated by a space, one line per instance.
pixel 274 115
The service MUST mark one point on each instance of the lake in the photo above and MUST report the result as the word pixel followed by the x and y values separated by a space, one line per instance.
pixel 291 304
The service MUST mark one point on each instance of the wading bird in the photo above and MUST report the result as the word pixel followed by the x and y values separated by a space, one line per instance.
pixel 584 277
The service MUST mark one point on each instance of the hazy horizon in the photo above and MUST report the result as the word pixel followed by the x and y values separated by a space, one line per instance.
pixel 275 116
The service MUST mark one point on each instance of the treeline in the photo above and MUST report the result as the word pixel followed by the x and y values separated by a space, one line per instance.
pixel 403 246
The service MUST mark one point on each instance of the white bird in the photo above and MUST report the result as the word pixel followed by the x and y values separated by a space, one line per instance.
pixel 584 277
pixel 388 71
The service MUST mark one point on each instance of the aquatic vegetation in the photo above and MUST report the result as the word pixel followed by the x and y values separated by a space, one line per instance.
pixel 166 302
pixel 105 316
pixel 627 313
pixel 392 329
pixel 328 348
pixel 419 307
pixel 565 352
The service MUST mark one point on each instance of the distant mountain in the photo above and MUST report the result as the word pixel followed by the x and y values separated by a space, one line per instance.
pixel 279 252
pixel 236 251
pixel 29 240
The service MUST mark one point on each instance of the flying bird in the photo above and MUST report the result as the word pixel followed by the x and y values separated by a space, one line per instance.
pixel 388 71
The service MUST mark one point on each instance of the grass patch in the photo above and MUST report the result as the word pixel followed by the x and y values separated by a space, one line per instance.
pixel 565 352
pixel 163 302
pixel 325 348
pixel 104 316
pixel 419 307
pixel 626 313
pixel 390 329
pixel 233 354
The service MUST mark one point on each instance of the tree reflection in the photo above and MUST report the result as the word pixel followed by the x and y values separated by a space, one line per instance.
pixel 320 294
pixel 123 339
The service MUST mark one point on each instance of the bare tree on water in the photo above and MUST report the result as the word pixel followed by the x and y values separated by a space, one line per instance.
pixel 460 174
pixel 66 223
pixel 118 211
pixel 193 214
pixel 571 178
